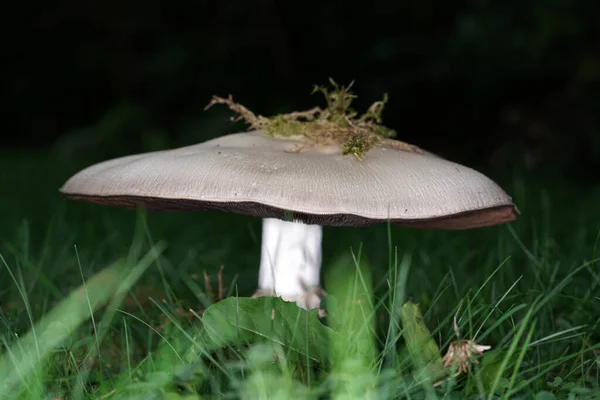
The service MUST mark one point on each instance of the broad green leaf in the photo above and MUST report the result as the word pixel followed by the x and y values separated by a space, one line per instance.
pixel 238 320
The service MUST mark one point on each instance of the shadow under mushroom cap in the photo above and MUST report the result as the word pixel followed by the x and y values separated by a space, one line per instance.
pixel 255 174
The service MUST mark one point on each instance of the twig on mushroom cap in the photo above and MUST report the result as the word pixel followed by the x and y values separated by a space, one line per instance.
pixel 337 123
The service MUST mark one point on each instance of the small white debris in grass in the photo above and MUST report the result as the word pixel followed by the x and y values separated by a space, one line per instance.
pixel 462 352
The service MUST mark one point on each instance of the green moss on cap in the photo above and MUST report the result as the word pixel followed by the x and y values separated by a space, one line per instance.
pixel 338 123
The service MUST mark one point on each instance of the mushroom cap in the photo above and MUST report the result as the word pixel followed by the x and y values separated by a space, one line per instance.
pixel 253 173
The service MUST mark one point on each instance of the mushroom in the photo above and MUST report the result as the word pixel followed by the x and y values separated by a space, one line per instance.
pixel 297 188
pixel 298 173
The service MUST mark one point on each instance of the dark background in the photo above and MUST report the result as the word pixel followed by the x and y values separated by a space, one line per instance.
pixel 502 85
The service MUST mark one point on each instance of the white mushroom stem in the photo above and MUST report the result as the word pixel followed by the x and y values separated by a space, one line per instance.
pixel 290 262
